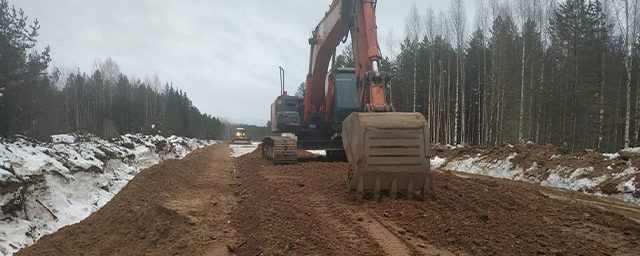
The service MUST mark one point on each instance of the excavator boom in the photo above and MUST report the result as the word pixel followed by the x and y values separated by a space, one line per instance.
pixel 387 151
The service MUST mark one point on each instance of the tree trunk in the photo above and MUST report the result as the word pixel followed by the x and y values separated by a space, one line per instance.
pixel 628 63
pixel 430 97
pixel 455 120
pixel 574 102
pixel 539 114
pixel 600 119
pixel 463 115
pixel 637 142
pixel 530 121
pixel 485 108
pixel 521 116
pixel 480 103
pixel 415 75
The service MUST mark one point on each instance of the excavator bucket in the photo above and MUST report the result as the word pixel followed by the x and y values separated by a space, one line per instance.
pixel 387 152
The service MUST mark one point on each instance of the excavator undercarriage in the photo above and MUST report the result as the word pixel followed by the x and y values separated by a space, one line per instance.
pixel 280 150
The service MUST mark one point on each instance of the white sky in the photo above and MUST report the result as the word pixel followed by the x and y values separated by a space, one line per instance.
pixel 223 54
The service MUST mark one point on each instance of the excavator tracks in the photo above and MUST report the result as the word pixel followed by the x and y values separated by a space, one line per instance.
pixel 280 150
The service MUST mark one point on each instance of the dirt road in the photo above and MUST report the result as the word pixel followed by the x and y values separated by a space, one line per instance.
pixel 304 209
pixel 210 204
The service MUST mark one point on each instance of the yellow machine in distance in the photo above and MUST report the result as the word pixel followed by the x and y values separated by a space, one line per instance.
pixel 240 137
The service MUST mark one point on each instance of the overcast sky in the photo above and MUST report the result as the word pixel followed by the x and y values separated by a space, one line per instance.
pixel 223 54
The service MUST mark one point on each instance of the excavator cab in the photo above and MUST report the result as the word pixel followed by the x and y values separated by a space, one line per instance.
pixel 285 114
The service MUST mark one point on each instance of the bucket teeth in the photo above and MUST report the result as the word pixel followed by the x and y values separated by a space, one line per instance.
pixel 376 190
pixel 393 192
pixel 410 190
pixel 360 193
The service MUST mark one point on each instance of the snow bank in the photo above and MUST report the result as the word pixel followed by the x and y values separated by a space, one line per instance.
pixel 611 180
pixel 239 150
pixel 45 186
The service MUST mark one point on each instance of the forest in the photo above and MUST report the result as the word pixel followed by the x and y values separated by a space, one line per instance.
pixel 545 71
pixel 38 100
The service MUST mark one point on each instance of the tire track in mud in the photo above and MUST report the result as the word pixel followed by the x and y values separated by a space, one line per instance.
pixel 391 244
pixel 348 233
pixel 285 211
pixel 399 238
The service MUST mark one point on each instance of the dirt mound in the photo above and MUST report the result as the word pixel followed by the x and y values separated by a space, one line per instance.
pixel 303 209
pixel 176 207
pixel 587 171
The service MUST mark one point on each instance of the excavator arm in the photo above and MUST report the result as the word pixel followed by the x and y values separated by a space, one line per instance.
pixel 387 151
pixel 344 16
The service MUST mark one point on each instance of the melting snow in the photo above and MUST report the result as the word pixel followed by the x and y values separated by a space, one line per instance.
pixel 240 150
pixel 627 187
pixel 561 176
pixel 318 152
pixel 436 162
pixel 66 138
pixel 632 150
pixel 610 156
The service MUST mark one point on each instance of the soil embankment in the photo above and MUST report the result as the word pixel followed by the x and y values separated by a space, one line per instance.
pixel 178 207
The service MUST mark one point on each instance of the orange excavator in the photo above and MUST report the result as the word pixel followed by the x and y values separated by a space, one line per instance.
pixel 345 112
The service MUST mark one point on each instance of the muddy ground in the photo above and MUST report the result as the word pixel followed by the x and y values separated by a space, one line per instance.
pixel 210 204
pixel 305 209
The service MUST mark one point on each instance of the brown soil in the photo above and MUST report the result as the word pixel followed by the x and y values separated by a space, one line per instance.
pixel 178 207
pixel 304 209
pixel 182 207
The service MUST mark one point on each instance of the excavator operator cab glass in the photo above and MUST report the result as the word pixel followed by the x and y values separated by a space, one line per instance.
pixel 346 91
pixel 345 96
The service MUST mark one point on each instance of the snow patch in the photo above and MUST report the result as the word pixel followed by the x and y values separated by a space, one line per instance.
pixel 627 172
pixel 318 152
pixel 66 138
pixel 496 168
pixel 628 186
pixel 632 150
pixel 578 179
pixel 436 162
pixel 240 150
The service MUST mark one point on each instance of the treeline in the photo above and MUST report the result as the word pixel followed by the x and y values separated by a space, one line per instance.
pixel 38 103
pixel 563 73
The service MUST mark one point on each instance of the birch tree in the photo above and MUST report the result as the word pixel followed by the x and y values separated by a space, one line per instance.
pixel 459 21
pixel 413 30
